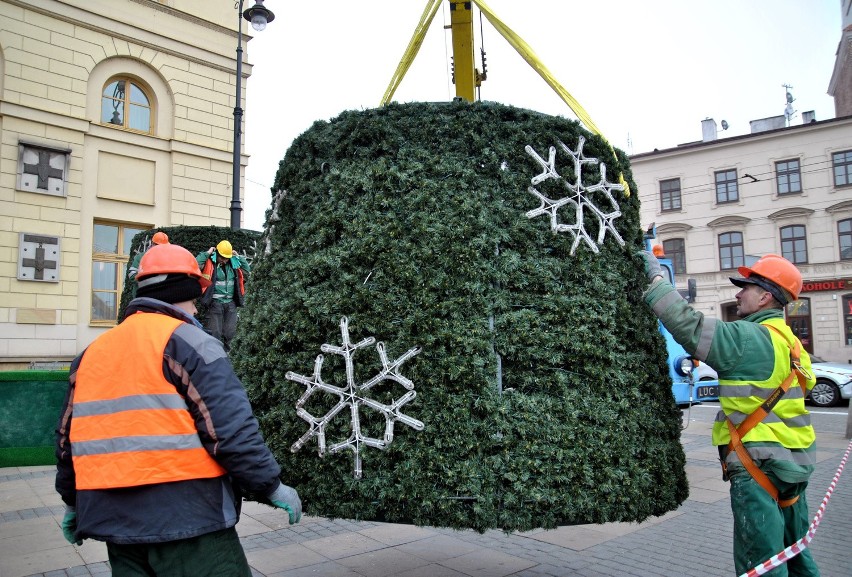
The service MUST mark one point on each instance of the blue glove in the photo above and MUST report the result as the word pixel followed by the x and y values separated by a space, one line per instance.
pixel 69 526
pixel 652 265
pixel 287 498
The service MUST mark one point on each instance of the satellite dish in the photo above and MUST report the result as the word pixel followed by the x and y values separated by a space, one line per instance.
pixel 725 125
pixel 788 110
pixel 789 98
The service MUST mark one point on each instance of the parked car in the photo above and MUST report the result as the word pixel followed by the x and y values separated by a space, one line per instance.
pixel 834 381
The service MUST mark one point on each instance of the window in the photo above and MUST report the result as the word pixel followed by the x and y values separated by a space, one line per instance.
pixel 844 238
pixel 794 244
pixel 847 318
pixel 675 249
pixel 788 176
pixel 726 186
pixel 670 194
pixel 842 163
pixel 731 254
pixel 125 103
pixel 110 248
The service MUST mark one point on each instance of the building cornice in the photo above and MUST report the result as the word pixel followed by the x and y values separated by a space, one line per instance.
pixel 841 206
pixel 202 57
pixel 691 147
pixel 794 212
pixel 730 220
pixel 673 227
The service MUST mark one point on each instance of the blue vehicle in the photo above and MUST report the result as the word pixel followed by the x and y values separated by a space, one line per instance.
pixel 680 363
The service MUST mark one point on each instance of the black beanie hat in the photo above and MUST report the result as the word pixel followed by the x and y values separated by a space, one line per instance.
pixel 170 288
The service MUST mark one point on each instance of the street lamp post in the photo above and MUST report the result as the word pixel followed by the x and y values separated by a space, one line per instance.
pixel 259 16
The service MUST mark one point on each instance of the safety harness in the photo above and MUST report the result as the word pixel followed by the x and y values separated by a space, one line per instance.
pixel 737 433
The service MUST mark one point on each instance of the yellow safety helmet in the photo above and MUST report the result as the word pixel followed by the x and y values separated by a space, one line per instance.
pixel 225 249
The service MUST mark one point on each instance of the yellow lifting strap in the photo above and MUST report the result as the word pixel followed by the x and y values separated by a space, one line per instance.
pixel 533 60
pixel 412 49
pixel 518 44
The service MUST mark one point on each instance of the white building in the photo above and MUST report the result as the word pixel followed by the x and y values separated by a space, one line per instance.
pixel 785 190
pixel 116 116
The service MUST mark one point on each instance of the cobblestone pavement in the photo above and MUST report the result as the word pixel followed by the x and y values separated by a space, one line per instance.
pixel 694 540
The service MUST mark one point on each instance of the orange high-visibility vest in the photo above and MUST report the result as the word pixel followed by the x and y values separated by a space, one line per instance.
pixel 129 425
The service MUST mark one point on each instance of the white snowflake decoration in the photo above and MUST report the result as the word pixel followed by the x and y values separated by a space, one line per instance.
pixel 353 396
pixel 578 197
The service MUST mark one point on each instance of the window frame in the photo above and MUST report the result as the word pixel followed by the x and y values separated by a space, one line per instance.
pixel 845 164
pixel 844 235
pixel 667 195
pixel 784 177
pixel 119 259
pixel 128 104
pixel 728 185
pixel 678 257
pixel 736 260
pixel 799 243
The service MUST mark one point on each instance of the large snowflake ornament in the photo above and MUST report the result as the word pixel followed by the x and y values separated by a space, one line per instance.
pixel 353 395
pixel 579 196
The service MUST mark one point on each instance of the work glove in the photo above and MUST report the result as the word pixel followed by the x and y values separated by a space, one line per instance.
pixel 652 265
pixel 287 498
pixel 69 525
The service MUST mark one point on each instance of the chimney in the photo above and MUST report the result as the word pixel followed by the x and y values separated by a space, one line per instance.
pixel 708 130
pixel 808 117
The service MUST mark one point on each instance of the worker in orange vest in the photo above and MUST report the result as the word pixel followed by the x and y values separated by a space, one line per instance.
pixel 157 442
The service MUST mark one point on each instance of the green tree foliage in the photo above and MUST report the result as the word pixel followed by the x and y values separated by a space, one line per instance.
pixel 541 381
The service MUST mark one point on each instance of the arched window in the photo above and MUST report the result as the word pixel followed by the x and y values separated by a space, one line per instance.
pixel 125 103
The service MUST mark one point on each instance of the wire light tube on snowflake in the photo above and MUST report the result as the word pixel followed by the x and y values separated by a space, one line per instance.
pixel 578 197
pixel 352 396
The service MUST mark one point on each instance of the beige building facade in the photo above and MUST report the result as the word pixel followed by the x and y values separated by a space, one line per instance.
pixel 116 116
pixel 721 203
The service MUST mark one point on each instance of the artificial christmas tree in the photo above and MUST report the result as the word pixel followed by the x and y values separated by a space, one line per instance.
pixel 517 379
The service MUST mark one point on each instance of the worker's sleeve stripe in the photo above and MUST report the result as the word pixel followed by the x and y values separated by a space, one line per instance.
pixel 702 349
pixel 665 302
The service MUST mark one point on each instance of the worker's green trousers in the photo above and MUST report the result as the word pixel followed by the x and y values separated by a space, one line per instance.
pixel 217 554
pixel 763 529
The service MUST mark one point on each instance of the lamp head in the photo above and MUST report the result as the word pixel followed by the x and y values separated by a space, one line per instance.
pixel 259 15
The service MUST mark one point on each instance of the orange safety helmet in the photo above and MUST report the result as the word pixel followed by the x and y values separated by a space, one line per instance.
pixel 160 238
pixel 170 259
pixel 778 271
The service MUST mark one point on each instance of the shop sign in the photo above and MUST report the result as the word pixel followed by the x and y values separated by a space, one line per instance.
pixel 826 285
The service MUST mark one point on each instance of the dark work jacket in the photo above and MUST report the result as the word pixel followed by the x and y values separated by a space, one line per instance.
pixel 196 364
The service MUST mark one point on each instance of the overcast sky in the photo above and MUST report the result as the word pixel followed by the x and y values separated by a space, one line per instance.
pixel 647 72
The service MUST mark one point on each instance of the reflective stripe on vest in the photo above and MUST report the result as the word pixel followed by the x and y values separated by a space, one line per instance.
pixel 129 425
pixel 789 423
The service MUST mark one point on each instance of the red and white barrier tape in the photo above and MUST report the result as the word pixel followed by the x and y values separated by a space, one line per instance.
pixel 801 544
